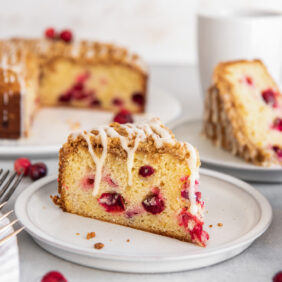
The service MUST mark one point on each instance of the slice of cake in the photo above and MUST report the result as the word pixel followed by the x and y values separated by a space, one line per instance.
pixel 134 175
pixel 39 73
pixel 243 112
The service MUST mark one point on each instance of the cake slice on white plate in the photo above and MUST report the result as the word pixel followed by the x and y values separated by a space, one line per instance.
pixel 243 112
pixel 137 175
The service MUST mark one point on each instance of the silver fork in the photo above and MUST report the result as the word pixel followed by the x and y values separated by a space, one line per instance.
pixel 6 190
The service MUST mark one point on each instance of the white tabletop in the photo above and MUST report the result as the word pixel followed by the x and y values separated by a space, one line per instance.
pixel 258 263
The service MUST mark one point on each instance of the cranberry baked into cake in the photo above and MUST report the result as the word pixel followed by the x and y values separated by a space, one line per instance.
pixel 137 175
pixel 243 112
pixel 39 73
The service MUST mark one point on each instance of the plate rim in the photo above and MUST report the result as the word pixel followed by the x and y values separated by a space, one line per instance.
pixel 223 164
pixel 260 227
pixel 47 150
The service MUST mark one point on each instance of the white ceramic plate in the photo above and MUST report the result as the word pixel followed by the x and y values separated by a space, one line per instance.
pixel 216 158
pixel 52 125
pixel 243 211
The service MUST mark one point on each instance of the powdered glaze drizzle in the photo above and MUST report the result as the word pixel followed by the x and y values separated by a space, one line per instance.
pixel 192 162
pixel 159 134
pixel 99 161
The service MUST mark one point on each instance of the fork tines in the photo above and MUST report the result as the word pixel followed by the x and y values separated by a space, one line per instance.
pixel 7 188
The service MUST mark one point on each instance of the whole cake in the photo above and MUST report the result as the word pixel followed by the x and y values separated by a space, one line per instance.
pixel 35 73
pixel 137 175
pixel 243 112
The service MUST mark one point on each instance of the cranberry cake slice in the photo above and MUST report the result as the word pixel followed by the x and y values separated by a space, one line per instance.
pixel 134 175
pixel 243 112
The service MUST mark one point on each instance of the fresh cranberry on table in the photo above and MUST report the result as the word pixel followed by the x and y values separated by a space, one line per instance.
pixel 37 171
pixel 112 202
pixel 54 276
pixel 124 116
pixel 153 203
pixel 66 35
pixel 50 33
pixel 22 165
pixel 277 277
pixel 146 171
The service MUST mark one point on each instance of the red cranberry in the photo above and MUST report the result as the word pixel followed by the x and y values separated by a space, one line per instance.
pixel 138 98
pixel 107 178
pixel 134 211
pixel 277 277
pixel 78 86
pixel 37 170
pixel 50 33
pixel 53 276
pixel 117 102
pixel 278 151
pixel 146 171
pixel 83 77
pixel 65 97
pixel 198 196
pixel 112 202
pixel 95 102
pixel 249 80
pixel 197 233
pixel 153 204
pixel 66 35
pixel 87 182
pixel 185 194
pixel 124 116
pixel 79 94
pixel 90 181
pixel 277 124
pixel 22 165
pixel 269 97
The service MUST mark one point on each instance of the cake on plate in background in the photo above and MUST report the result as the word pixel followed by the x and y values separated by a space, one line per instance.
pixel 243 112
pixel 137 175
pixel 44 72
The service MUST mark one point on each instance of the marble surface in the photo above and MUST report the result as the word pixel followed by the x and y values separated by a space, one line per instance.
pixel 258 263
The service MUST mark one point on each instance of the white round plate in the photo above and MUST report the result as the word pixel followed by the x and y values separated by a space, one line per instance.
pixel 217 158
pixel 243 211
pixel 53 125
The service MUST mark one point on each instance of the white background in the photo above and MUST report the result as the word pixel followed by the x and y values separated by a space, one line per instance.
pixel 162 31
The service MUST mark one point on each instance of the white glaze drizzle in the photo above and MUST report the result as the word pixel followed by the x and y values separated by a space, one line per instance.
pixel 5 99
pixel 99 161
pixel 75 51
pixel 192 162
pixel 160 136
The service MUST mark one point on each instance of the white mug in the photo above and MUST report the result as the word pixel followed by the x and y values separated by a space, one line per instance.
pixel 239 34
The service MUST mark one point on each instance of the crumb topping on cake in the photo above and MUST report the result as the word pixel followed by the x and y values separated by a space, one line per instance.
pixel 125 139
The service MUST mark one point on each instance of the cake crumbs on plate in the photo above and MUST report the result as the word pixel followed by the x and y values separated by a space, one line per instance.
pixel 127 240
pixel 90 235
pixel 99 246
pixel 210 226
pixel 74 125
pixel 219 224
